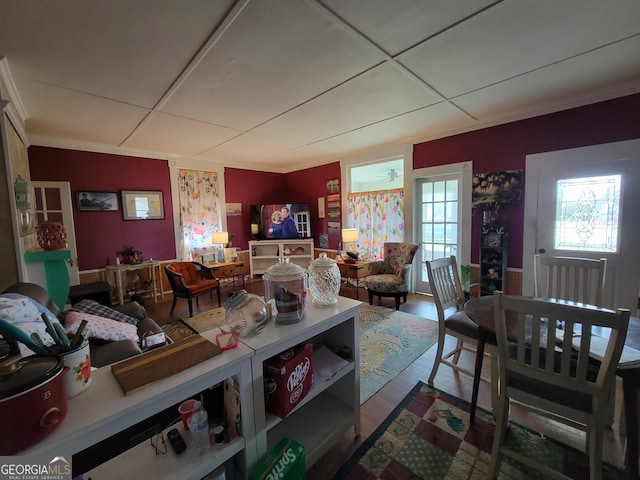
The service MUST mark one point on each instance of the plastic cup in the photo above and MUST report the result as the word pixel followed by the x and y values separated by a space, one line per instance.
pixel 186 409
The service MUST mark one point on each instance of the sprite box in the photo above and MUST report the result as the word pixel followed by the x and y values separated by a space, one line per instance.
pixel 285 462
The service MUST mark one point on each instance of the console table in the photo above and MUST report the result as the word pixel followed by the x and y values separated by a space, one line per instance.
pixel 229 270
pixel 115 274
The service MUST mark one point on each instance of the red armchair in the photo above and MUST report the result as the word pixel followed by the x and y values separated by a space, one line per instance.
pixel 190 280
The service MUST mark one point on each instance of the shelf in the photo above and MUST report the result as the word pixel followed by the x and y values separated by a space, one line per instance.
pixel 316 427
pixel 142 462
pixel 265 253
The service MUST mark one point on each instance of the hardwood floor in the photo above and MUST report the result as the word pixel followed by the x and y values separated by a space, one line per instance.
pixel 376 409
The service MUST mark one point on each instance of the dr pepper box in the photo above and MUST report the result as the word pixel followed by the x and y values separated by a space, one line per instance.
pixel 288 377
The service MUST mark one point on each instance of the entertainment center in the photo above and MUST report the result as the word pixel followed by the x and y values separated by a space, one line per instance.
pixel 329 410
pixel 264 253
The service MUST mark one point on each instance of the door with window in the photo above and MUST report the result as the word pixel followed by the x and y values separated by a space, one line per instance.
pixel 54 204
pixel 439 207
pixel 587 202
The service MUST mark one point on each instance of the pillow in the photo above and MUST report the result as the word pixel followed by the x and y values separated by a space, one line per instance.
pixel 24 313
pixel 94 308
pixel 99 328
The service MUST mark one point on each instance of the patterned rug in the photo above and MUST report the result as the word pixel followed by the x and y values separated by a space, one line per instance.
pixel 428 436
pixel 390 341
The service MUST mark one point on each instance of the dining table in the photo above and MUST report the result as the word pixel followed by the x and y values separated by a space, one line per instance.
pixel 481 311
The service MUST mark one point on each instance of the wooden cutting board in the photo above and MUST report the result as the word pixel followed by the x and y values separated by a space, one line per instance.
pixel 142 370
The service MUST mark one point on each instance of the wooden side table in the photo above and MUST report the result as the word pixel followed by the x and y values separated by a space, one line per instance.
pixel 231 270
pixel 356 271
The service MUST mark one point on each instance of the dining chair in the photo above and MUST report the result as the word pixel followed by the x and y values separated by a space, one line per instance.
pixel 562 383
pixel 448 296
pixel 570 278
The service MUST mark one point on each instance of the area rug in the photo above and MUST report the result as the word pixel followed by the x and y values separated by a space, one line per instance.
pixel 429 436
pixel 390 340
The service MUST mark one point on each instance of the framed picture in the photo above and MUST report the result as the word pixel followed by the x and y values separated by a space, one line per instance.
pixel 333 186
pixel 97 201
pixel 139 205
pixel 234 209
pixel 320 207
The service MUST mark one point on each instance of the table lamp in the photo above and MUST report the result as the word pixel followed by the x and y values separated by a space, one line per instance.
pixel 255 229
pixel 220 238
pixel 350 236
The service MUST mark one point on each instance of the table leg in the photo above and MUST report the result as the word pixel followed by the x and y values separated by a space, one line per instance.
pixel 482 338
pixel 630 386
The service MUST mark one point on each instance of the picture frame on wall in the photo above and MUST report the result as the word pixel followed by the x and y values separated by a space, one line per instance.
pixel 333 186
pixel 142 205
pixel 321 213
pixel 90 201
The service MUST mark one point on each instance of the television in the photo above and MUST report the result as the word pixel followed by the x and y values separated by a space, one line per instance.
pixel 272 224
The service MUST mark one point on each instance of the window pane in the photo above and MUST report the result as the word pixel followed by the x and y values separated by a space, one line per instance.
pixel 438 191
pixel 587 214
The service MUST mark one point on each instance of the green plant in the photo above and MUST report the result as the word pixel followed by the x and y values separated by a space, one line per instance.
pixel 465 278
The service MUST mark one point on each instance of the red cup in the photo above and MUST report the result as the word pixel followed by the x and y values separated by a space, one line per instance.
pixel 186 409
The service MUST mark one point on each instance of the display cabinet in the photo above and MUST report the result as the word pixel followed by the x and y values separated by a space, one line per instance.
pixel 265 253
pixel 333 405
pixel 493 258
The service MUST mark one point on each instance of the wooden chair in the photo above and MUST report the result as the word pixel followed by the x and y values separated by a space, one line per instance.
pixel 448 296
pixel 561 383
pixel 190 280
pixel 391 277
pixel 570 278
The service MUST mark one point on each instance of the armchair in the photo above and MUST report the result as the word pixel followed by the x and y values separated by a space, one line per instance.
pixel 190 280
pixel 391 277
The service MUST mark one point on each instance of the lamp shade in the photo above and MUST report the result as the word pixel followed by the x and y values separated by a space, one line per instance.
pixel 254 229
pixel 220 238
pixel 350 235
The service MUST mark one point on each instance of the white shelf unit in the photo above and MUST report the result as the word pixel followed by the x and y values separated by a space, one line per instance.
pixel 264 253
pixel 330 408
pixel 104 410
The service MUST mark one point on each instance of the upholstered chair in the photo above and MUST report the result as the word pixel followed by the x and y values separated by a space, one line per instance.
pixel 190 280
pixel 391 277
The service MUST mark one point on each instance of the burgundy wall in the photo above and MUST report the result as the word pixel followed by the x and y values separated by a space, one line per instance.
pixel 100 235
pixel 505 147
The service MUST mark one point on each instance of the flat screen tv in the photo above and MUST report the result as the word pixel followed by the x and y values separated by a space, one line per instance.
pixel 281 220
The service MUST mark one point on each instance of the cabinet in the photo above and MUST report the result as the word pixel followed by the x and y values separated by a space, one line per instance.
pixel 229 271
pixel 333 405
pixel 103 410
pixel 493 258
pixel 265 253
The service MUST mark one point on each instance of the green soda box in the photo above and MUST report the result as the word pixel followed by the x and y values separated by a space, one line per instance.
pixel 285 462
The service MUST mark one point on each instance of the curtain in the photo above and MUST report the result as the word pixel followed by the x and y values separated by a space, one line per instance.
pixel 379 218
pixel 199 212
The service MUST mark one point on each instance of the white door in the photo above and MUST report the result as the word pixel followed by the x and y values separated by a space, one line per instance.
pixel 442 206
pixel 586 205
pixel 54 204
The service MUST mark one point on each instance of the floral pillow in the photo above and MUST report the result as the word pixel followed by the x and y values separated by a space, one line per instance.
pixel 99 328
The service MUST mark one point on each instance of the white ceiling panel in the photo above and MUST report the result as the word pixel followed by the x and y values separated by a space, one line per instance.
pixel 554 84
pixel 67 115
pixel 179 136
pixel 381 93
pixel 513 38
pixel 275 56
pixel 395 26
pixel 123 50
pixel 279 85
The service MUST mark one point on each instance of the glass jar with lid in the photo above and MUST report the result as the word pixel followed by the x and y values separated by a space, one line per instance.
pixel 324 280
pixel 285 284
pixel 246 313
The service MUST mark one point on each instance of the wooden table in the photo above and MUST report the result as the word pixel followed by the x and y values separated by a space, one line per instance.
pixel 228 270
pixel 356 271
pixel 480 310
pixel 115 275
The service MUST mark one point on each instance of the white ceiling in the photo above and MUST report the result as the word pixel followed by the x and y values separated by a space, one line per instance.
pixel 284 84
